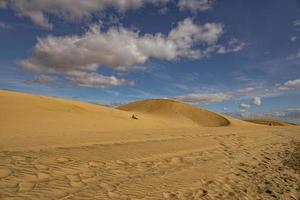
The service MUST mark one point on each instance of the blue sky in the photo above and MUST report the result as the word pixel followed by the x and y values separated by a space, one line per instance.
pixel 237 57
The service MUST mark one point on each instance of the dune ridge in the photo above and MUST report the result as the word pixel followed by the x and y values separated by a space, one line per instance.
pixel 177 111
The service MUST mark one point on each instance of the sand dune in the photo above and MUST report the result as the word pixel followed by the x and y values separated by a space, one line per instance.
pixel 60 149
pixel 174 110
pixel 26 117
pixel 270 122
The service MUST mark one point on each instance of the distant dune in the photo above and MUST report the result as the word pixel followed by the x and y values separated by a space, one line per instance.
pixel 177 111
pixel 270 122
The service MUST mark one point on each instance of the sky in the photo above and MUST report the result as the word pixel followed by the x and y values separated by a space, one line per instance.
pixel 237 57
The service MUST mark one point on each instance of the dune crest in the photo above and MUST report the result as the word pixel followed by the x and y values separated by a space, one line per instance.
pixel 176 110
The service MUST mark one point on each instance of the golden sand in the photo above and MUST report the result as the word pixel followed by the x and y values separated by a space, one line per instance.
pixel 53 148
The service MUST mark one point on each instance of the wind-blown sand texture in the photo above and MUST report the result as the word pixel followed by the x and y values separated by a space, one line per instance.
pixel 60 149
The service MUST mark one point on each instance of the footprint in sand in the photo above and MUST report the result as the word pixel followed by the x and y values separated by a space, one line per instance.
pixel 75 180
pixel 96 164
pixel 29 177
pixel 43 176
pixel 176 160
pixel 77 184
pixel 142 166
pixel 62 160
pixel 114 195
pixel 88 177
pixel 26 186
pixel 41 167
pixel 168 195
pixel 73 177
pixel 19 158
pixel 4 173
pixel 121 162
pixel 108 187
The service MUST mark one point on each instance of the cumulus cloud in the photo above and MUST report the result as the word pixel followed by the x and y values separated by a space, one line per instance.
pixel 244 106
pixel 290 85
pixel 38 10
pixel 195 5
pixel 234 45
pixel 42 79
pixel 293 83
pixel 256 101
pixel 95 80
pixel 121 48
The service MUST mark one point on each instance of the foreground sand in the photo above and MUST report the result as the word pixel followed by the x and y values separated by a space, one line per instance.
pixel 150 158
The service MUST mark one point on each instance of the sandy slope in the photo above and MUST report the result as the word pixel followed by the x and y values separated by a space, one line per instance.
pixel 60 149
pixel 29 120
pixel 181 113
pixel 270 122
pixel 178 111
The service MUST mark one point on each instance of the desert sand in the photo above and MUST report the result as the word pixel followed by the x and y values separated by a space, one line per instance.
pixel 270 122
pixel 54 148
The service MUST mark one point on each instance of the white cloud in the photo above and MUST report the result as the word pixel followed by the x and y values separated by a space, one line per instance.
pixel 293 83
pixel 244 106
pixel 256 101
pixel 294 57
pixel 293 38
pixel 234 45
pixel 95 80
pixel 195 5
pixel 200 98
pixel 37 10
pixel 253 96
pixel 245 90
pixel 296 23
pixel 187 35
pixel 283 88
pixel 289 85
pixel 204 98
pixel 121 48
pixel 42 79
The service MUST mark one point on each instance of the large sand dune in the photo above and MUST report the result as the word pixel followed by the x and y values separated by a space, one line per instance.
pixel 26 118
pixel 180 112
pixel 60 149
